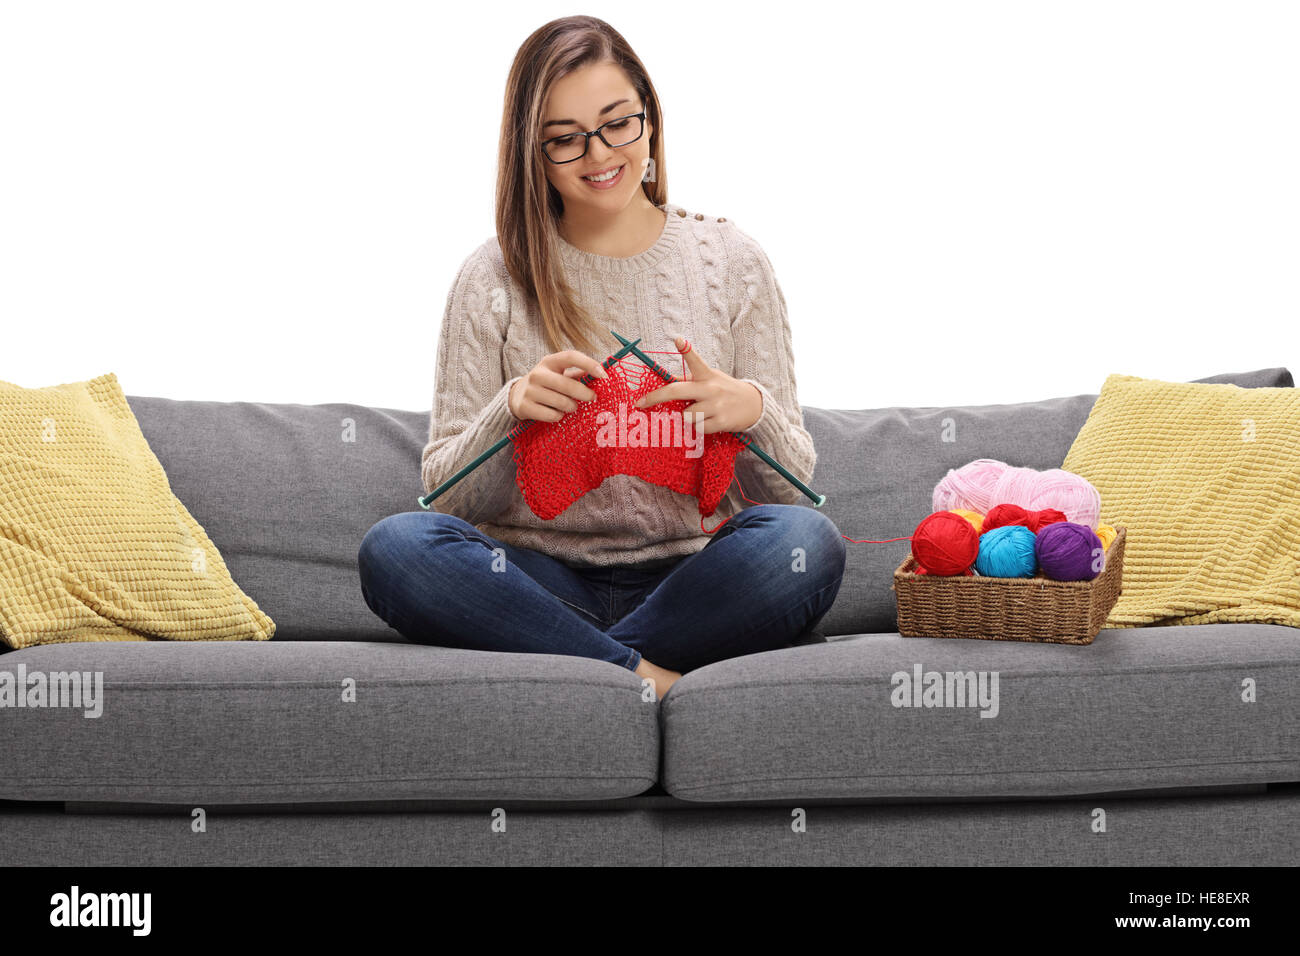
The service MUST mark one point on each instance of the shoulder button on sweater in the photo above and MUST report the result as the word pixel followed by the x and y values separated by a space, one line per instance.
pixel 721 219
pixel 682 213
pixel 699 215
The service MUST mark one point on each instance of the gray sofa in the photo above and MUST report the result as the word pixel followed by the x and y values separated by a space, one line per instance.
pixel 1134 750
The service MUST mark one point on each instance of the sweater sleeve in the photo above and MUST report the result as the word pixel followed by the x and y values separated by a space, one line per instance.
pixel 470 413
pixel 764 357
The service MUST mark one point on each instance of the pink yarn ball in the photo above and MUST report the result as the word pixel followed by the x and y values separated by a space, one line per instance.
pixel 1067 492
pixel 970 487
pixel 986 482
pixel 1016 486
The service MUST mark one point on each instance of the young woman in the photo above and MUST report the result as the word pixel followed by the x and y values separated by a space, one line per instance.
pixel 587 241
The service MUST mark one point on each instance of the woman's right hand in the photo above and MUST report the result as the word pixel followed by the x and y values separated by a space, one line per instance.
pixel 551 388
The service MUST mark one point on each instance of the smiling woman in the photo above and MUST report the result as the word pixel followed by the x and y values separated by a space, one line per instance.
pixel 598 164
pixel 587 240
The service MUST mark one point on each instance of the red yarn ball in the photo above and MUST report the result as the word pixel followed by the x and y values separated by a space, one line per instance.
pixel 1043 517
pixel 945 543
pixel 1005 514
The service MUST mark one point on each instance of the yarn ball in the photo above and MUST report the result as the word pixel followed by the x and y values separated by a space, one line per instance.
pixel 1041 518
pixel 1000 516
pixel 1005 514
pixel 1065 491
pixel 1072 494
pixel 974 517
pixel 985 482
pixel 1007 552
pixel 1107 535
pixel 1015 486
pixel 970 487
pixel 1066 551
pixel 945 543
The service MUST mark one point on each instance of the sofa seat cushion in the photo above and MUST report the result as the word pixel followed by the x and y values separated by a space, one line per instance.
pixel 230 723
pixel 1138 709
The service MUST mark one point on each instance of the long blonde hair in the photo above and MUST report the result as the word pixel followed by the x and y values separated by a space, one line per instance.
pixel 528 207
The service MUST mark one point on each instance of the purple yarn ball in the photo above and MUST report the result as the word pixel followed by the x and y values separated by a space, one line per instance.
pixel 1068 551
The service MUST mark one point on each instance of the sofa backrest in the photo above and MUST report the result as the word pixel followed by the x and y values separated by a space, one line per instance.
pixel 287 492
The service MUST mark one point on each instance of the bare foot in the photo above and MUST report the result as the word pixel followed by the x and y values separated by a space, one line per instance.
pixel 661 676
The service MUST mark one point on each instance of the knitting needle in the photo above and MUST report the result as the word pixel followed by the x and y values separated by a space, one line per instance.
pixel 516 432
pixel 667 376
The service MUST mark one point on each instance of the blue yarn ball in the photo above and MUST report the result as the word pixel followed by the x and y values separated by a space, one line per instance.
pixel 1007 552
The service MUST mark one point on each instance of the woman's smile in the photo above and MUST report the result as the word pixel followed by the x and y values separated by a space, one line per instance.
pixel 605 183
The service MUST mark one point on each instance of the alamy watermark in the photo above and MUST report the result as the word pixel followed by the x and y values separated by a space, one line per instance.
pixel 658 428
pixel 77 689
pixel 75 908
pixel 945 689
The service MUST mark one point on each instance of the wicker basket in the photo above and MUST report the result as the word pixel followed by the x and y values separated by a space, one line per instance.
pixel 1008 609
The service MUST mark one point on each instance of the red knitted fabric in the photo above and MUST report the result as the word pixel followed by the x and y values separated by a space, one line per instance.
pixel 559 462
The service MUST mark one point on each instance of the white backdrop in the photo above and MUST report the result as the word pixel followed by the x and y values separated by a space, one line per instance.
pixel 964 202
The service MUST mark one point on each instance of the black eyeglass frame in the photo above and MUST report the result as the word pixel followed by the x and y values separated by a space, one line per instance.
pixel 598 131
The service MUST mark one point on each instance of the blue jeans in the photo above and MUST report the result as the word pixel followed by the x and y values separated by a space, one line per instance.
pixel 764 580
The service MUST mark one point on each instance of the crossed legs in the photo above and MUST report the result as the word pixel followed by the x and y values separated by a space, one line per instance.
pixel 769 574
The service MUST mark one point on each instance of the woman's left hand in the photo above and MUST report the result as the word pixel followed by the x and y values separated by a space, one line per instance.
pixel 721 403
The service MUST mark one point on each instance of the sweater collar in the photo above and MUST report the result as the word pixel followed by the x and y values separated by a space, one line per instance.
pixel 664 245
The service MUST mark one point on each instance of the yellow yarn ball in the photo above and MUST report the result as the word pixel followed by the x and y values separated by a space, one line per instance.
pixel 974 517
pixel 1107 535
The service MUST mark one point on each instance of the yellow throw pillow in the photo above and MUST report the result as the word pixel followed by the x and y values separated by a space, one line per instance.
pixel 1206 478
pixel 93 544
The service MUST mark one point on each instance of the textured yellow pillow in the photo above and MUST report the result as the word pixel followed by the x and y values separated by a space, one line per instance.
pixel 93 544
pixel 1207 480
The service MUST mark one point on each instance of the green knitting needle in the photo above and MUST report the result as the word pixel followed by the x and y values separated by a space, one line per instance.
pixel 667 376
pixel 628 347
pixel 522 427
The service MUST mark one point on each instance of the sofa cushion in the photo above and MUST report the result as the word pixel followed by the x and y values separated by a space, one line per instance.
pixel 1137 709
pixel 234 723
pixel 94 546
pixel 878 468
pixel 1206 478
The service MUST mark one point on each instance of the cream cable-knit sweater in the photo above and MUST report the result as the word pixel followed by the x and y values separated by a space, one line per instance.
pixel 704 279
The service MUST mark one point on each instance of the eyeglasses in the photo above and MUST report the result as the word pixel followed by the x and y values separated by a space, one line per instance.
pixel 573 146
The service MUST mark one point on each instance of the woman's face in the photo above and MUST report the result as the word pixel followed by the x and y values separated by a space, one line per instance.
pixel 578 103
